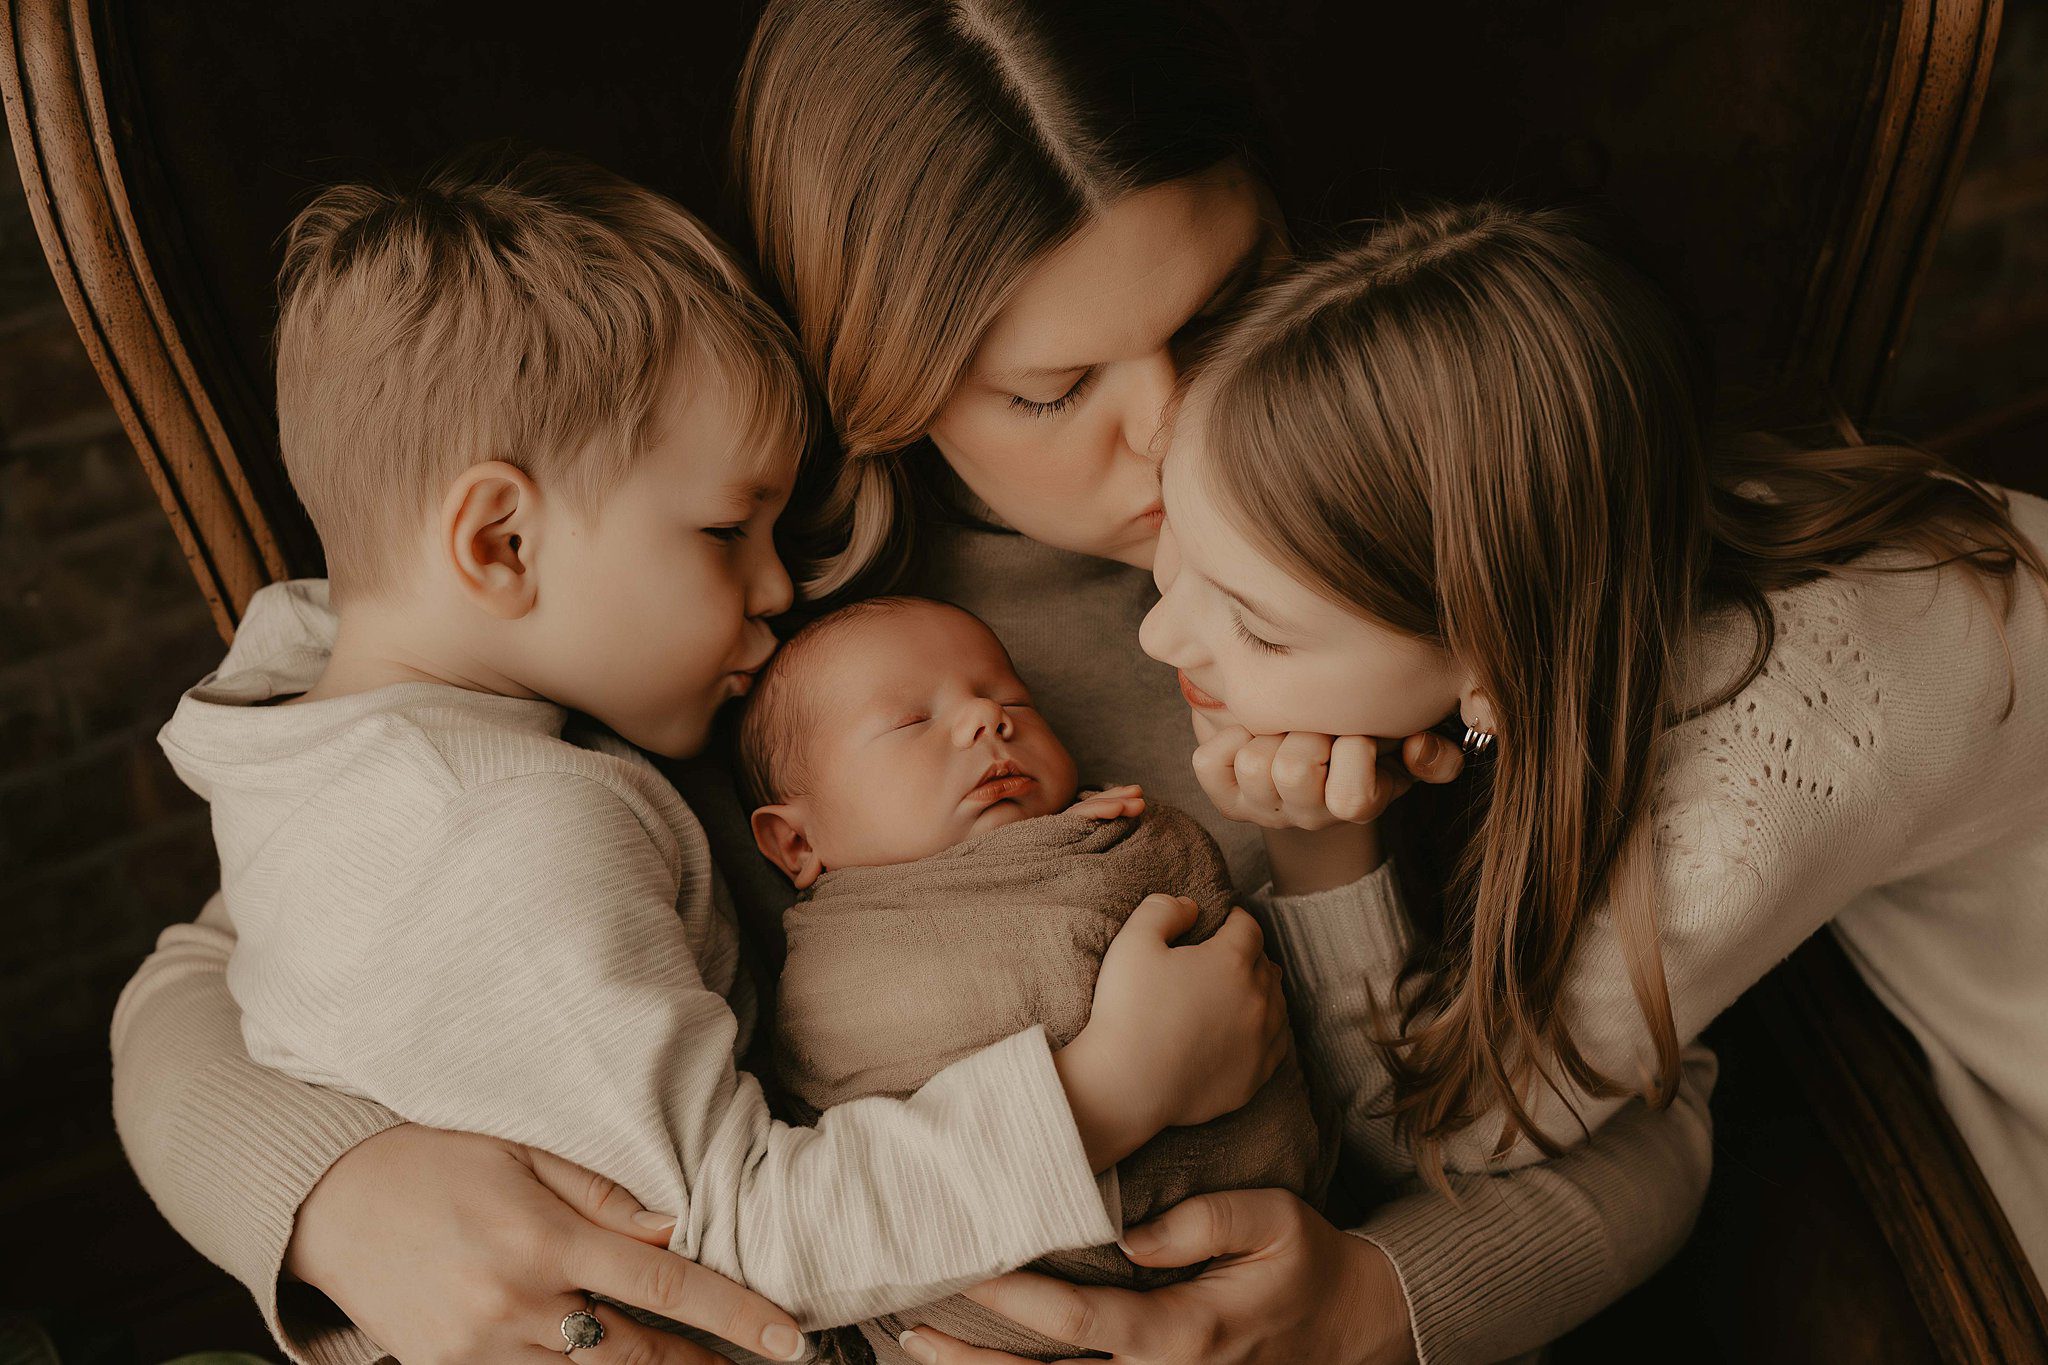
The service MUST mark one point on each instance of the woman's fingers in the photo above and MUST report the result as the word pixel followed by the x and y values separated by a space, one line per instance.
pixel 625 1341
pixel 600 1201
pixel 1100 1319
pixel 1227 1224
pixel 929 1346
pixel 665 1283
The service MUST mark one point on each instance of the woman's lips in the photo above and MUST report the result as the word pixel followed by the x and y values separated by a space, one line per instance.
pixel 1196 697
pixel 1152 517
pixel 1002 788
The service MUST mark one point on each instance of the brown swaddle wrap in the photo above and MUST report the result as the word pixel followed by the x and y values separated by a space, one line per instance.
pixel 894 973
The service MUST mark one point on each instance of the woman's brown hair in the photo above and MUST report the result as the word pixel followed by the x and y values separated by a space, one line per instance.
pixel 905 161
pixel 1480 428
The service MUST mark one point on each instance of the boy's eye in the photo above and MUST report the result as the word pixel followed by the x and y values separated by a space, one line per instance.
pixel 1061 403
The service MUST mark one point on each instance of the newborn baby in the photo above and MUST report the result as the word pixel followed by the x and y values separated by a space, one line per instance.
pixel 953 891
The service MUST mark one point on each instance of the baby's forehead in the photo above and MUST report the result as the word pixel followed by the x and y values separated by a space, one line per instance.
pixel 905 651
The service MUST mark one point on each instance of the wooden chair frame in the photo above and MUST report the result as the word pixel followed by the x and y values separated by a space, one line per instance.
pixel 1868 1080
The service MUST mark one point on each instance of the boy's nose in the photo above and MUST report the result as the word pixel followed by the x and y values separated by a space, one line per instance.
pixel 978 718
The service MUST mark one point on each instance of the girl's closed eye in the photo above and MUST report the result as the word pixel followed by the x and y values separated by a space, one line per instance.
pixel 1244 633
pixel 727 535
pixel 1061 403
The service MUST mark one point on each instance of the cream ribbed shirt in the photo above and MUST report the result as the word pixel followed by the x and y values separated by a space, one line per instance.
pixel 449 905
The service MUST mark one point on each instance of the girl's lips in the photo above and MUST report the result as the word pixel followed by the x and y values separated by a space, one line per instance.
pixel 1153 517
pixel 1002 788
pixel 1196 697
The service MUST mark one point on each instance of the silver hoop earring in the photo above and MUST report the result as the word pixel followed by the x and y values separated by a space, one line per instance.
pixel 1476 741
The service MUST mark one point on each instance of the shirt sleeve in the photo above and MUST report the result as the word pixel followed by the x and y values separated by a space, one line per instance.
pixel 535 982
pixel 228 1149
pixel 1521 1257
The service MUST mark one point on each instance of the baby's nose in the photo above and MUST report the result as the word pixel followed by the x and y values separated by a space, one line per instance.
pixel 979 717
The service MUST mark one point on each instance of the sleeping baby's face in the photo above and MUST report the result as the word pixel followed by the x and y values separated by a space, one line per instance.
pixel 903 730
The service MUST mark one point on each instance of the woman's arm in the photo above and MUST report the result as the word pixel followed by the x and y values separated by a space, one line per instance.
pixel 228 1149
pixel 1520 1258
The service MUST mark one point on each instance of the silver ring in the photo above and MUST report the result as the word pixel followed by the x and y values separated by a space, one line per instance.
pixel 581 1330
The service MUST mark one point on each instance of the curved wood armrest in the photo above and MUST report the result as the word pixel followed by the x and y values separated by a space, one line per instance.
pixel 1870 1088
pixel 57 115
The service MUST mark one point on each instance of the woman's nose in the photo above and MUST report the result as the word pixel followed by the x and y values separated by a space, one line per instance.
pixel 980 717
pixel 1149 397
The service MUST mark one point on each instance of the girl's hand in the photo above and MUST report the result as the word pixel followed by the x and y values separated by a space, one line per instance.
pixel 1111 803
pixel 1287 1287
pixel 453 1249
pixel 1311 782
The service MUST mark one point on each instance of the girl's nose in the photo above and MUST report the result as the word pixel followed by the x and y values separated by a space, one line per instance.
pixel 980 717
pixel 1163 634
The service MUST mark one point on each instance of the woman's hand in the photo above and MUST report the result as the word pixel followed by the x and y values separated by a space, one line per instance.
pixel 1286 1287
pixel 1311 782
pixel 453 1249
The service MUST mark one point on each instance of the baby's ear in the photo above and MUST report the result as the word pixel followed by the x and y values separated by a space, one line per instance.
pixel 779 834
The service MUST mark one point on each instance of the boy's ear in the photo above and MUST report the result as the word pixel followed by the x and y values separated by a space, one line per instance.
pixel 779 834
pixel 486 537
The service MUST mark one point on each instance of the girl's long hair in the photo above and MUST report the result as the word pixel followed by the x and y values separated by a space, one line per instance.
pixel 1480 428
pixel 905 162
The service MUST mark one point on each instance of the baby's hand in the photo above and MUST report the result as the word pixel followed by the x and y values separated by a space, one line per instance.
pixel 1177 1035
pixel 1112 803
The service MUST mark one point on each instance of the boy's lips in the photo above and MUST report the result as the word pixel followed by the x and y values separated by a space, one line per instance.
pixel 1195 696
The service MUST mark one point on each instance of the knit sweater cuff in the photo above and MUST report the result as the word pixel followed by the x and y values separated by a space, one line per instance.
pixel 1516 1262
pixel 1335 936
pixel 272 1164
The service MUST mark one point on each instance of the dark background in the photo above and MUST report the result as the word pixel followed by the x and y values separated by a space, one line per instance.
pixel 101 627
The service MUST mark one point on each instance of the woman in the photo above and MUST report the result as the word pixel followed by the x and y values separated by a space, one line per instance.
pixel 1000 229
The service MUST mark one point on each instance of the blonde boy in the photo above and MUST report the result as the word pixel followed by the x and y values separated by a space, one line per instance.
pixel 544 429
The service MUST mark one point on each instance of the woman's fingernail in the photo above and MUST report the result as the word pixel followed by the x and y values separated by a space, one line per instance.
pixel 918 1349
pixel 782 1342
pixel 655 1222
pixel 1139 1241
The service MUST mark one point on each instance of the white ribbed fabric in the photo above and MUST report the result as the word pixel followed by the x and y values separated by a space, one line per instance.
pixel 445 906
pixel 1870 777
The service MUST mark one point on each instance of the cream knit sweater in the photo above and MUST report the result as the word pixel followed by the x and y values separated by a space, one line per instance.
pixel 229 1149
pixel 1869 778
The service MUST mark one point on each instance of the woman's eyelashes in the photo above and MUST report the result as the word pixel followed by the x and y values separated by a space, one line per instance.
pixel 727 535
pixel 1061 403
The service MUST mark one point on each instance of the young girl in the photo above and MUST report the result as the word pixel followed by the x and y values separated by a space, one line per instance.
pixel 1723 695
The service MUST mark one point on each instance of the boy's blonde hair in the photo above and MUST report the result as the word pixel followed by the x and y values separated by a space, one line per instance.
pixel 525 308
